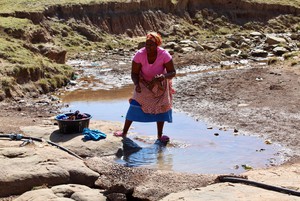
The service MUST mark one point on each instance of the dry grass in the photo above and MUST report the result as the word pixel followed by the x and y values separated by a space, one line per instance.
pixel 295 3
pixel 9 6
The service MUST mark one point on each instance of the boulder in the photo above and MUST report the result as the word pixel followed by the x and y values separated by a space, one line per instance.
pixel 68 192
pixel 279 51
pixel 259 53
pixel 273 40
pixel 38 164
pixel 75 142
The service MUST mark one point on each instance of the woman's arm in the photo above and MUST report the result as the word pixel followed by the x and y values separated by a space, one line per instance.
pixel 135 75
pixel 171 72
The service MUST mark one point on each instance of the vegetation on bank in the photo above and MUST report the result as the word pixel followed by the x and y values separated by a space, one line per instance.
pixel 295 3
pixel 9 6
pixel 23 69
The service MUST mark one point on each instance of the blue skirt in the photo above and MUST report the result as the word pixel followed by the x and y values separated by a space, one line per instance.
pixel 135 113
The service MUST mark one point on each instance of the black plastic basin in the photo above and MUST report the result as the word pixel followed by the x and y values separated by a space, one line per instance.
pixel 73 126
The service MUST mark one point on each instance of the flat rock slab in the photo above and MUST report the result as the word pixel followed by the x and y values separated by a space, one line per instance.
pixel 24 166
pixel 38 164
pixel 284 176
pixel 76 143
pixel 69 192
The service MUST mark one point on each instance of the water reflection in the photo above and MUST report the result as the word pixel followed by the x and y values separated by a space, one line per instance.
pixel 89 95
pixel 148 156
pixel 155 155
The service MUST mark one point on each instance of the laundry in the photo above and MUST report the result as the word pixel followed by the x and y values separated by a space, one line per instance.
pixel 93 134
pixel 61 116
pixel 72 116
pixel 78 115
pixel 129 146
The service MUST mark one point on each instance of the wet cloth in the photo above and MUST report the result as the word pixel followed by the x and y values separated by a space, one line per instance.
pixel 61 116
pixel 71 116
pixel 129 146
pixel 135 113
pixel 156 100
pixel 93 134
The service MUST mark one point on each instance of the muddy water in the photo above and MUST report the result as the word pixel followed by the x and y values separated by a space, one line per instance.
pixel 195 147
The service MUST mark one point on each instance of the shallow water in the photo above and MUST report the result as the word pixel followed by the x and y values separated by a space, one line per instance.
pixel 196 148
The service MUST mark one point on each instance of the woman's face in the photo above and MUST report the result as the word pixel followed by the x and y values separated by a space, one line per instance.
pixel 151 46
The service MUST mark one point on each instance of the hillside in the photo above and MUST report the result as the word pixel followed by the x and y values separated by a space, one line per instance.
pixel 37 37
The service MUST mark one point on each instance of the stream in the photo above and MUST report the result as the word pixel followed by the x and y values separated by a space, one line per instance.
pixel 194 146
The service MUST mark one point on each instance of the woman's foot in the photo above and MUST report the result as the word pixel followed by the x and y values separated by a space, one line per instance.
pixel 119 134
pixel 163 140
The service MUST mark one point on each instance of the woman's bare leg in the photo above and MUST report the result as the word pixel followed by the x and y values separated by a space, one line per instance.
pixel 160 127
pixel 126 127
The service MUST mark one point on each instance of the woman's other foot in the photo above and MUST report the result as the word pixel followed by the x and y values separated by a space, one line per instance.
pixel 119 134
pixel 163 140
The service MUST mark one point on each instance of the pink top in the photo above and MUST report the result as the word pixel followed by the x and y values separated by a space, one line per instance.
pixel 148 71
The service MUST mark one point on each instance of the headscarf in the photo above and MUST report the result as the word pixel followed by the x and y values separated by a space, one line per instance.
pixel 155 37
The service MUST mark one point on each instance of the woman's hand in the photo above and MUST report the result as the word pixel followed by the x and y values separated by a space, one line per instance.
pixel 159 77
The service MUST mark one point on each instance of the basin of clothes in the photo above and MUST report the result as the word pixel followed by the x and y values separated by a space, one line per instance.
pixel 73 122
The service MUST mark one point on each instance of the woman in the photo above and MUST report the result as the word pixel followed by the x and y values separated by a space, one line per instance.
pixel 151 73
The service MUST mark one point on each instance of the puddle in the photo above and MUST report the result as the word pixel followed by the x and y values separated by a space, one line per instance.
pixel 197 148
